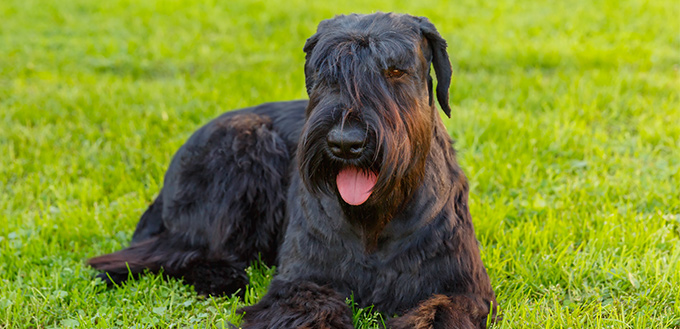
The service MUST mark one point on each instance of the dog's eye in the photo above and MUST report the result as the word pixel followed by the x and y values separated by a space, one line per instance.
pixel 394 73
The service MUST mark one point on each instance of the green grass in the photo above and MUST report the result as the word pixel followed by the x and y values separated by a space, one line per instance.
pixel 566 116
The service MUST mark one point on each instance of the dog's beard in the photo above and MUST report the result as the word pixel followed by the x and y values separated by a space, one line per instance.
pixel 385 175
pixel 358 182
pixel 353 181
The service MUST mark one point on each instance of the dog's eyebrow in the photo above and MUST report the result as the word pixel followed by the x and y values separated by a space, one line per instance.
pixel 393 54
pixel 403 62
pixel 396 63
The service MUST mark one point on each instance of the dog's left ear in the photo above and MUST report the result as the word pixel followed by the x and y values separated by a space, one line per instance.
pixel 440 62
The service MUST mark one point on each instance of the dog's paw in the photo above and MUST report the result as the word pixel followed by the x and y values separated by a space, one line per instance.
pixel 298 305
pixel 438 312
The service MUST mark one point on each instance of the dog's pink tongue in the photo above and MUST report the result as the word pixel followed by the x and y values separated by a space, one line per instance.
pixel 355 186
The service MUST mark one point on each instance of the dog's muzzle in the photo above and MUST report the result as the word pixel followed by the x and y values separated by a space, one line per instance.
pixel 348 143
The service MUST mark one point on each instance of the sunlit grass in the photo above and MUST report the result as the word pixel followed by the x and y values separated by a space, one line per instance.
pixel 566 116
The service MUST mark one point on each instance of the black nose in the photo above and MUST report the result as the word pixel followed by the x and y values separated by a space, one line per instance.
pixel 346 142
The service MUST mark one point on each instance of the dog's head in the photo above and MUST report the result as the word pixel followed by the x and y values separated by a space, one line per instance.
pixel 371 113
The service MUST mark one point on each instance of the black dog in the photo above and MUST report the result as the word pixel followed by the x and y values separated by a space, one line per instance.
pixel 356 192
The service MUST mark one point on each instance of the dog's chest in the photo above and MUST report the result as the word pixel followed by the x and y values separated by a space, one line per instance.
pixel 395 277
pixel 390 282
pixel 325 249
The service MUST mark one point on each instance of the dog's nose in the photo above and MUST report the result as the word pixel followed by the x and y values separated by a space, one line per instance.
pixel 346 142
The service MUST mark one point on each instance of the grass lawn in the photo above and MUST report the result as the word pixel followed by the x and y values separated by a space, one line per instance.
pixel 566 116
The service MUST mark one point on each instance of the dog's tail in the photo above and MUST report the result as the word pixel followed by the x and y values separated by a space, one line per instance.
pixel 144 253
pixel 131 261
pixel 224 275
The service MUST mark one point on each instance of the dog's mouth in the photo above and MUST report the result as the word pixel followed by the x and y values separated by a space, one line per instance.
pixel 355 185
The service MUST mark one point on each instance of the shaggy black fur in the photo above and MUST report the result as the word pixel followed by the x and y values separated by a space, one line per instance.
pixel 262 181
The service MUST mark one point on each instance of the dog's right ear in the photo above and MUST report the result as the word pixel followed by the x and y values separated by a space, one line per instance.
pixel 309 72
pixel 440 62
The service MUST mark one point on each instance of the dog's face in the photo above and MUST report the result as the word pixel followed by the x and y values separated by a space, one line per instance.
pixel 371 111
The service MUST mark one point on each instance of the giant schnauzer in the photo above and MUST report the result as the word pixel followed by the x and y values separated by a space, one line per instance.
pixel 354 193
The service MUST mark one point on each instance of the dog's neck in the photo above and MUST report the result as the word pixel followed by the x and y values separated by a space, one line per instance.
pixel 368 222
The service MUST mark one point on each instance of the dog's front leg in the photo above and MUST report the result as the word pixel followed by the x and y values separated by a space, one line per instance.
pixel 299 304
pixel 445 312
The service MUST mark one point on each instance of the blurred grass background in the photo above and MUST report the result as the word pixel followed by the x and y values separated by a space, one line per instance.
pixel 566 116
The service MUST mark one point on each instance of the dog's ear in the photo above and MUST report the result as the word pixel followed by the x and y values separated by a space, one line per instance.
pixel 309 72
pixel 440 62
